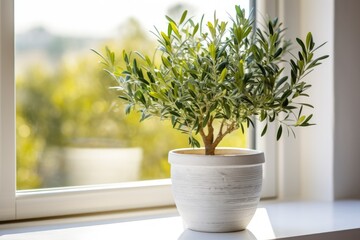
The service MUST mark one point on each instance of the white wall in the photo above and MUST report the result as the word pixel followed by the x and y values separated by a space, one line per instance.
pixel 347 99
pixel 318 142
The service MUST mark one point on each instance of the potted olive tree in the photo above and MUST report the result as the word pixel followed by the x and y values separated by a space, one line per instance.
pixel 215 77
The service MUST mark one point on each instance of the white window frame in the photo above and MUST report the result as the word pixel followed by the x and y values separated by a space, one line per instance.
pixel 7 112
pixel 15 205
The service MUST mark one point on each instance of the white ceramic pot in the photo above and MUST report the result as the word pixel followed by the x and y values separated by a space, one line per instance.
pixel 217 193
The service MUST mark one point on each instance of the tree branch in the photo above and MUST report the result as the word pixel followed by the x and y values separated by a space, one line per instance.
pixel 221 127
pixel 221 135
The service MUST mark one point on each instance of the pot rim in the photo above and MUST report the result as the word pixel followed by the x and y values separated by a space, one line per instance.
pixel 224 156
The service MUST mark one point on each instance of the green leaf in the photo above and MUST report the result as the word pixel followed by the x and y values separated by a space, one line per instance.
pixel 206 120
pixel 293 77
pixel 285 103
pixel 140 55
pixel 196 126
pixel 293 65
pixel 144 116
pixel 125 57
pixel 223 75
pixel 309 40
pixel 301 43
pixel 140 97
pixel 281 81
pixel 212 50
pixel 318 46
pixel 263 115
pixel 175 29
pixel 239 11
pixel 174 121
pixel 169 29
pixel 174 113
pixel 307 119
pixel 301 58
pixel 124 98
pixel 213 107
pixel 278 53
pixel 300 65
pixel 111 56
pixel 227 110
pixel 166 38
pixel 279 132
pixel 192 94
pixel 135 67
pixel 307 105
pixel 250 122
pixel 286 94
pixel 263 132
pixel 126 72
pixel 169 19
pixel 271 29
pixel 223 27
pixel 222 65
pixel 300 111
pixel 241 69
pixel 262 69
pixel 128 109
pixel 165 61
pixel 151 77
pixel 183 16
pixel 242 128
pixel 193 142
pixel 212 30
pixel 156 95
pixel 300 120
pixel 196 28
pixel 272 117
pixel 315 61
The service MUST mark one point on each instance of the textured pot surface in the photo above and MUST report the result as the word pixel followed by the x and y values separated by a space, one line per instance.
pixel 216 193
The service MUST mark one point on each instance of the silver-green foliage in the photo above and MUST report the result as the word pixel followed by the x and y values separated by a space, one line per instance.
pixel 218 72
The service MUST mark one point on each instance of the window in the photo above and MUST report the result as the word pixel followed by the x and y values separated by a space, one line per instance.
pixel 67 199
pixel 71 130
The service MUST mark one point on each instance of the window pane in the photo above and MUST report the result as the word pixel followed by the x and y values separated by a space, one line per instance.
pixel 71 130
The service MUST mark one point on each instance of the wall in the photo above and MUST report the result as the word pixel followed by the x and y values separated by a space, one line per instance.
pixel 347 99
pixel 318 142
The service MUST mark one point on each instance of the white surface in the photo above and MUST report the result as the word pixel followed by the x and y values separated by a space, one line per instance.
pixel 271 221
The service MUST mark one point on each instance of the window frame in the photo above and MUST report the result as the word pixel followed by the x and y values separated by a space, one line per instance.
pixel 7 112
pixel 15 205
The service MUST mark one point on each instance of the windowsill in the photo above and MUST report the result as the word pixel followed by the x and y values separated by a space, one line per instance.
pixel 273 220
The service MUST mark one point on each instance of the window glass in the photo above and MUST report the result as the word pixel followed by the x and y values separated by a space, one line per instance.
pixel 71 129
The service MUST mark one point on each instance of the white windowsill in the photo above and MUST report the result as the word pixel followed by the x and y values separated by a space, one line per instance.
pixel 273 220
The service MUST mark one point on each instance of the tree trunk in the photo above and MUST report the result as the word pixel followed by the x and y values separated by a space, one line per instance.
pixel 209 149
pixel 210 141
